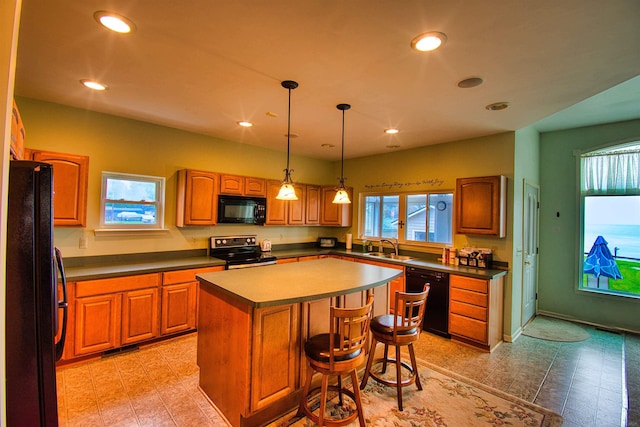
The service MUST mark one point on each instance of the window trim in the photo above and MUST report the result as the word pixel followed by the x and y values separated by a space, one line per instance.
pixel 580 243
pixel 158 227
pixel 402 214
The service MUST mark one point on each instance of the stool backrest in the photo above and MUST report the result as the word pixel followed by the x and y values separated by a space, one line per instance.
pixel 349 330
pixel 409 310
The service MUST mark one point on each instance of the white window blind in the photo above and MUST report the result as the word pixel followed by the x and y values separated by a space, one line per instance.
pixel 611 173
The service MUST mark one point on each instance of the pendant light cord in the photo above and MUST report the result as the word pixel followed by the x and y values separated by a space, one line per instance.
pixel 288 134
pixel 342 155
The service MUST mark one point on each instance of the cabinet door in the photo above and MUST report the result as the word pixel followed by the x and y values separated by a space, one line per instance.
pixel 274 356
pixel 481 206
pixel 70 181
pixel 178 307
pixel 139 315
pixel 255 186
pixel 312 201
pixel 333 213
pixel 296 208
pixel 97 323
pixel 197 198
pixel 17 134
pixel 232 184
pixel 276 209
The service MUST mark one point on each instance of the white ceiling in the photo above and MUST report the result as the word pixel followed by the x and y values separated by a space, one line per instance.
pixel 203 65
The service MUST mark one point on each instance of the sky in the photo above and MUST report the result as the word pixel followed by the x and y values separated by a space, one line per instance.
pixel 612 210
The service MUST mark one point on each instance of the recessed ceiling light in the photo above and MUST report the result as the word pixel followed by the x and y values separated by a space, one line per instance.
pixel 391 131
pixel 428 41
pixel 497 106
pixel 92 84
pixel 245 124
pixel 470 82
pixel 114 22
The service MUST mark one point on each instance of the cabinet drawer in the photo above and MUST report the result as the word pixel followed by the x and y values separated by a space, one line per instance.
pixel 468 283
pixel 468 327
pixel 116 284
pixel 183 276
pixel 479 313
pixel 475 298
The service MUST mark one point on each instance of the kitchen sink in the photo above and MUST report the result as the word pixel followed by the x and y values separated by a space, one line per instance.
pixel 389 255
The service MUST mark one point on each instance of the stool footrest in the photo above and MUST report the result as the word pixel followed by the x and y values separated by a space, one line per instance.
pixel 392 383
pixel 329 422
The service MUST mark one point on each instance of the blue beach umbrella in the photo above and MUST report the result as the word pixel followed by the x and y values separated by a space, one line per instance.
pixel 600 262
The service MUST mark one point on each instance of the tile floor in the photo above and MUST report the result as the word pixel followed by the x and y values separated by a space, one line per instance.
pixel 157 385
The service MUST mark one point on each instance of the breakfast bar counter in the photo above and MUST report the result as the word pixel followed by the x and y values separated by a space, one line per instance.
pixel 252 324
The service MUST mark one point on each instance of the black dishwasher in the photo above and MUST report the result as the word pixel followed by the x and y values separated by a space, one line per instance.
pixel 436 316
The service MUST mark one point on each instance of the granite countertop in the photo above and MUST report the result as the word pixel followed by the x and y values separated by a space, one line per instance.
pixel 292 283
pixel 103 267
pixel 104 271
pixel 416 261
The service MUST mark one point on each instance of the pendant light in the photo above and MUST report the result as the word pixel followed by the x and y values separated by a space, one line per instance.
pixel 342 197
pixel 287 192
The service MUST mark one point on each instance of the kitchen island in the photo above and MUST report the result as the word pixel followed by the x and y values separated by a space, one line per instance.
pixel 253 323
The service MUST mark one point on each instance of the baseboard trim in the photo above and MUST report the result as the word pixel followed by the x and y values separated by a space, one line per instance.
pixel 584 322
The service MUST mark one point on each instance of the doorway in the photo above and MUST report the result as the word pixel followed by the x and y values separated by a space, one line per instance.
pixel 530 211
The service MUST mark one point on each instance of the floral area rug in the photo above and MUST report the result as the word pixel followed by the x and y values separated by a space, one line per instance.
pixel 446 399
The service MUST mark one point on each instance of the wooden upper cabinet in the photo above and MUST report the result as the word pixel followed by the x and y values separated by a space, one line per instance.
pixel 277 210
pixel 197 202
pixel 70 182
pixel 296 208
pixel 17 134
pixel 333 213
pixel 481 206
pixel 312 202
pixel 242 185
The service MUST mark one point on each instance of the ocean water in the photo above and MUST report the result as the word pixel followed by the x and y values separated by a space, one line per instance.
pixel 624 237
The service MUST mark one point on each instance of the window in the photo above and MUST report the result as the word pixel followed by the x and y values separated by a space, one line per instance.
pixel 132 202
pixel 610 197
pixel 410 217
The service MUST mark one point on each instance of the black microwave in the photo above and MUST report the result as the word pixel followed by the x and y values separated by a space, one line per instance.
pixel 242 210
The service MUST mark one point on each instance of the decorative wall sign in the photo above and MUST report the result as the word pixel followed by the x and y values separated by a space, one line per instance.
pixel 433 182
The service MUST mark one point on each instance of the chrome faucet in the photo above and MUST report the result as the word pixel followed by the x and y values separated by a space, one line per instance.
pixel 394 243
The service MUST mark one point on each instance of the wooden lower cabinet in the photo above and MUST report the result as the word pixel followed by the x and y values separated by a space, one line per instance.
pixel 110 313
pixel 179 307
pixel 475 310
pixel 97 323
pixel 139 316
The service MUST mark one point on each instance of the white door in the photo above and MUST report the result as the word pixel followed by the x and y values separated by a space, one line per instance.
pixel 530 251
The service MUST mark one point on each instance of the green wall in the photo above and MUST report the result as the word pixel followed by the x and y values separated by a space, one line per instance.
pixel 559 229
pixel 129 146
pixel 121 145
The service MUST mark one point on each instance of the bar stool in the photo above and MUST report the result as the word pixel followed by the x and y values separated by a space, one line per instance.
pixel 398 329
pixel 339 352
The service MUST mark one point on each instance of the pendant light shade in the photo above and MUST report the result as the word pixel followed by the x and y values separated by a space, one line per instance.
pixel 287 192
pixel 342 196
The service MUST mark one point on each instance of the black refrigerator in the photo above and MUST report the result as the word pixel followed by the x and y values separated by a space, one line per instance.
pixel 32 303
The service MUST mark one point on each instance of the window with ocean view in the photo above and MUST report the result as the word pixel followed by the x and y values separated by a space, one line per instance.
pixel 610 197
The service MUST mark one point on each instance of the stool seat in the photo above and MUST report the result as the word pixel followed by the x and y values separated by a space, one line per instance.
pixel 384 324
pixel 317 348
pixel 398 329
pixel 341 351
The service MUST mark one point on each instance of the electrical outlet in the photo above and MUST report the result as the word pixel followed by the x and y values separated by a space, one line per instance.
pixel 82 243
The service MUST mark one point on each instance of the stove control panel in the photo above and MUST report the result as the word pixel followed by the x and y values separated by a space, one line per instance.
pixel 232 241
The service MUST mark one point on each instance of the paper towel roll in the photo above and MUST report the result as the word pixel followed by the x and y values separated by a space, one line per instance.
pixel 349 240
